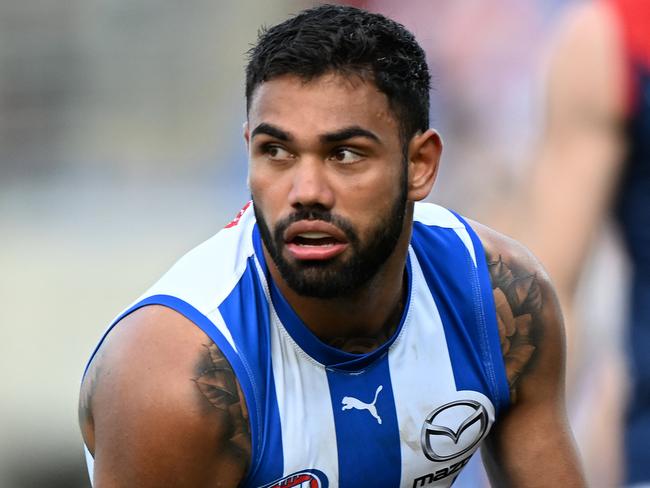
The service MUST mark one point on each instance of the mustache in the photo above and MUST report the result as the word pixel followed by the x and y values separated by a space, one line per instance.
pixel 316 213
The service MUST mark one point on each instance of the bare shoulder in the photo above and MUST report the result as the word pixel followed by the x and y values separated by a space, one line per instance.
pixel 161 405
pixel 528 316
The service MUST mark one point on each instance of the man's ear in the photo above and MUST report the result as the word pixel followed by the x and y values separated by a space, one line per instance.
pixel 424 158
pixel 247 134
pixel 247 138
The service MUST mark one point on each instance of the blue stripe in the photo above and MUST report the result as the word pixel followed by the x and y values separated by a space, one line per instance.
pixel 487 314
pixel 246 313
pixel 449 272
pixel 368 452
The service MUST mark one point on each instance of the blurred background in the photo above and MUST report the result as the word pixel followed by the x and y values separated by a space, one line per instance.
pixel 121 148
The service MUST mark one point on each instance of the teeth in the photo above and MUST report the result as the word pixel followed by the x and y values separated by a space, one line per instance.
pixel 314 235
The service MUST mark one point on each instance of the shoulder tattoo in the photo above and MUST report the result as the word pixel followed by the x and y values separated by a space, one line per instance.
pixel 518 301
pixel 218 384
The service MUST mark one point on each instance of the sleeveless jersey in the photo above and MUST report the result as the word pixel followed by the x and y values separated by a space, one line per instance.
pixel 409 414
pixel 633 212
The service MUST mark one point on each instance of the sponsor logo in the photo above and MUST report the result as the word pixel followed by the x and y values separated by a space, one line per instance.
pixel 308 478
pixel 453 429
pixel 427 479
pixel 351 402
pixel 239 215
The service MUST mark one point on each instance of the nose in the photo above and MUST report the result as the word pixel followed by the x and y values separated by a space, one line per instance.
pixel 310 184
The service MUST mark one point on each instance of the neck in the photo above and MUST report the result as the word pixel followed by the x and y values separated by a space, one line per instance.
pixel 361 321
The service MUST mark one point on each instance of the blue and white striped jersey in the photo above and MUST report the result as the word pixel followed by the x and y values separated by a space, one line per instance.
pixel 409 414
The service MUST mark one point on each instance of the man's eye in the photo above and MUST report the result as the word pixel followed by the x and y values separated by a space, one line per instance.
pixel 277 153
pixel 346 156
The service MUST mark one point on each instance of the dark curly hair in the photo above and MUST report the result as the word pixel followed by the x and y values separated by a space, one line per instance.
pixel 352 42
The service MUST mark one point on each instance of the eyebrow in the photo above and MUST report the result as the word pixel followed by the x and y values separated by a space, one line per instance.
pixel 331 137
pixel 271 130
pixel 349 133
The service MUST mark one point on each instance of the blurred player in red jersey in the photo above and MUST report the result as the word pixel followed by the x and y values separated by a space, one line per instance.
pixel 595 159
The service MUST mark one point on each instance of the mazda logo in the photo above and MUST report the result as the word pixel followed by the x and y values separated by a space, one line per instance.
pixel 453 430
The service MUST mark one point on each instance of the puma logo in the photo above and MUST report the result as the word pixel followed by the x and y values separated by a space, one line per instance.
pixel 351 402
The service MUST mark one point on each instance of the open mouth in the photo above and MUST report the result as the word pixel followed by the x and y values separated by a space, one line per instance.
pixel 314 240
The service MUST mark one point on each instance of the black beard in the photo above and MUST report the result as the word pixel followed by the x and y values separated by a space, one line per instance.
pixel 336 277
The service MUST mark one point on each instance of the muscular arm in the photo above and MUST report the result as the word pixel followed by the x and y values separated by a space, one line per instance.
pixel 531 445
pixel 161 406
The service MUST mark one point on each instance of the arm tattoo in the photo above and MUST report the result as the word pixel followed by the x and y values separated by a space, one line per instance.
pixel 219 386
pixel 518 300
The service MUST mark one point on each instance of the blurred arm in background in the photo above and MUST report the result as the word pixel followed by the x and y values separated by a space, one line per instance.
pixel 572 188
pixel 581 156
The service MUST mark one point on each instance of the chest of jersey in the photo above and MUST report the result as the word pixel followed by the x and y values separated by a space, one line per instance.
pixel 396 419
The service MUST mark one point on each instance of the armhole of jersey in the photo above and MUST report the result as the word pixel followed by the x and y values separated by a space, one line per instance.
pixel 486 314
pixel 239 366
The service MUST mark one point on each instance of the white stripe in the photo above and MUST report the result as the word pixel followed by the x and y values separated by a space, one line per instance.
pixel 306 416
pixel 304 402
pixel 422 349
pixel 431 214
pixel 422 377
pixel 216 318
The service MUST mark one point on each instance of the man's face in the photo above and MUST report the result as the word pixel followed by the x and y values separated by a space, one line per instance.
pixel 328 180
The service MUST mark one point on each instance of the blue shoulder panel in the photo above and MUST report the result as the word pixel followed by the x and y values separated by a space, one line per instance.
pixel 486 312
pixel 246 313
pixel 463 294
